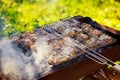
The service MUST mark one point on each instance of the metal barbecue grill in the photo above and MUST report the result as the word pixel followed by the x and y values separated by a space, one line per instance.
pixel 102 60
pixel 90 59
pixel 91 53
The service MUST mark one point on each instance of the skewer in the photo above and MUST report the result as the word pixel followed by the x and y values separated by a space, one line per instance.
pixel 51 30
pixel 97 52
pixel 100 59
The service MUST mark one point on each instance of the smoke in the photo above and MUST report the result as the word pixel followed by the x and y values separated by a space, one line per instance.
pixel 16 66
pixel 11 60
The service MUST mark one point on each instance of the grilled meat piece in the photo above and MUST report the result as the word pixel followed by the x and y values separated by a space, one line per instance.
pixel 92 42
pixel 59 57
pixel 86 27
pixel 69 32
pixel 81 37
pixel 56 44
pixel 95 33
pixel 62 50
pixel 105 38
pixel 27 40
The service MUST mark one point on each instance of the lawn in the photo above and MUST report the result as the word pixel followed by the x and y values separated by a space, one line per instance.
pixel 18 16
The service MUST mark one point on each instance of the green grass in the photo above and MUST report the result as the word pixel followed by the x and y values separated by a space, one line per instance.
pixel 24 15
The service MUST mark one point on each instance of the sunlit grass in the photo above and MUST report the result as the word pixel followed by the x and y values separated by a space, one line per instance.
pixel 24 15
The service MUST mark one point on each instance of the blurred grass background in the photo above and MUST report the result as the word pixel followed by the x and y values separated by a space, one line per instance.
pixel 18 16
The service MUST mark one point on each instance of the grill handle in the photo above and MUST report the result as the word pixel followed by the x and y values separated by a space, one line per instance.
pixel 49 29
pixel 116 67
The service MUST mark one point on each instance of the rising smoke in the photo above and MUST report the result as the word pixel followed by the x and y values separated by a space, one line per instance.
pixel 16 66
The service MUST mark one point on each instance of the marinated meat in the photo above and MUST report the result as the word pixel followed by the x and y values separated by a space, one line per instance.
pixel 68 32
pixel 27 40
pixel 105 38
pixel 84 33
pixel 56 44
pixel 62 49
pixel 92 42
pixel 86 27
pixel 81 37
pixel 95 33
